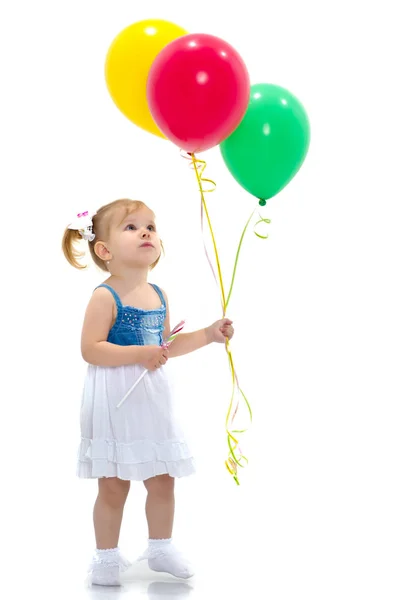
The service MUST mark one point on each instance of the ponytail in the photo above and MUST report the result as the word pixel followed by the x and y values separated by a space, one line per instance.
pixel 70 240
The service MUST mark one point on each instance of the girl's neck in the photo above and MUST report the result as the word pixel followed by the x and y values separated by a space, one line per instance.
pixel 129 279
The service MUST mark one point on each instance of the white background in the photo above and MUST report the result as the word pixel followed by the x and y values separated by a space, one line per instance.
pixel 316 306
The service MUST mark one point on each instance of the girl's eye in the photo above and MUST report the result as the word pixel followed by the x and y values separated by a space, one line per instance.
pixel 132 227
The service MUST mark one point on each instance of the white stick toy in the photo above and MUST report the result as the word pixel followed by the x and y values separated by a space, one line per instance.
pixel 166 344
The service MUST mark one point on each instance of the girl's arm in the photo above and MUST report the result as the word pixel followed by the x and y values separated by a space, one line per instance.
pixel 185 342
pixel 96 326
pixel 189 342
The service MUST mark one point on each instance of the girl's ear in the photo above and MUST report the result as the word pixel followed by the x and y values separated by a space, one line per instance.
pixel 102 251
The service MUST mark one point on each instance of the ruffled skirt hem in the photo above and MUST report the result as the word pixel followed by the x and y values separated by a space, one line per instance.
pixel 136 461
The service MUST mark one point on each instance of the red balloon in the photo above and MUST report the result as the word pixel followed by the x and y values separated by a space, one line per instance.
pixel 198 90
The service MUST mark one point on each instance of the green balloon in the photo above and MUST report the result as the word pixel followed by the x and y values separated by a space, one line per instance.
pixel 269 146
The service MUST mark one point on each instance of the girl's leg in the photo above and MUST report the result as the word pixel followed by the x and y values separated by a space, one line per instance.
pixel 160 508
pixel 108 511
pixel 107 518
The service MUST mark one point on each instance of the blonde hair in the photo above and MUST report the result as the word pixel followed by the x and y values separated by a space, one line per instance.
pixel 101 228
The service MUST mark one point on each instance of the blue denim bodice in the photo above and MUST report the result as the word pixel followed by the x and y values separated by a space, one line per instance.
pixel 136 326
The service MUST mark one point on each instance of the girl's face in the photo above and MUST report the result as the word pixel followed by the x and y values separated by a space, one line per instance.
pixel 134 242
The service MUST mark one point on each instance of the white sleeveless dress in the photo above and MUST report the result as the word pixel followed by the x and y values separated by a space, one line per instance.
pixel 143 438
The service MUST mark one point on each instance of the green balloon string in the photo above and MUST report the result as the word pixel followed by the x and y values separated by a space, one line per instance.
pixel 237 257
pixel 262 237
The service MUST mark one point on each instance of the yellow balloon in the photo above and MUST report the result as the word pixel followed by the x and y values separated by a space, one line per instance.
pixel 128 63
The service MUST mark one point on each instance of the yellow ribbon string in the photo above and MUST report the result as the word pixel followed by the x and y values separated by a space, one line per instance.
pixel 199 166
pixel 212 187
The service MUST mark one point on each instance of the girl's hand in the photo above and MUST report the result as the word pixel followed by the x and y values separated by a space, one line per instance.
pixel 220 330
pixel 154 357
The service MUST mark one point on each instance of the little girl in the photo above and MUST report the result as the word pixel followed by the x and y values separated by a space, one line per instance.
pixel 125 325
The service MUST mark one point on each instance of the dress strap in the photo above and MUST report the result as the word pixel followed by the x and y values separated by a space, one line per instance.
pixel 159 292
pixel 114 293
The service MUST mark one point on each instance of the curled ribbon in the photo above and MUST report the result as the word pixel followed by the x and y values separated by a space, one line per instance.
pixel 236 456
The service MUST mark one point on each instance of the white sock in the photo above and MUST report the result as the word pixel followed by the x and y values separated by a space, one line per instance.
pixel 164 557
pixel 156 545
pixel 107 565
